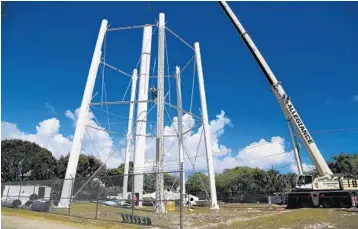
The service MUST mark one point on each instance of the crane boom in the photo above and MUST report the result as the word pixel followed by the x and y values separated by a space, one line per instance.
pixel 288 108
pixel 295 149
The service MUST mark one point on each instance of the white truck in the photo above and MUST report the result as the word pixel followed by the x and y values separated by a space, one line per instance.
pixel 326 190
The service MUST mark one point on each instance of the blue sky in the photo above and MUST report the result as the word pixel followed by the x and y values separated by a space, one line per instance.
pixel 311 46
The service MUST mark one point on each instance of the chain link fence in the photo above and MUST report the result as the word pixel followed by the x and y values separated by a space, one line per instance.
pixel 99 198
pixel 243 197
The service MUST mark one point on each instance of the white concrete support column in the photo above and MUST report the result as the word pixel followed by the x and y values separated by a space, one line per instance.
pixel 129 133
pixel 207 133
pixel 82 118
pixel 180 122
pixel 141 130
pixel 159 194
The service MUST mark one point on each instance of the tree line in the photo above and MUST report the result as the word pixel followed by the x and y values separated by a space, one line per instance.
pixel 23 161
pixel 26 161
pixel 244 184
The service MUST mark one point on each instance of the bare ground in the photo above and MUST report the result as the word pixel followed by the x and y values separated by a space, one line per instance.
pixel 16 222
pixel 229 216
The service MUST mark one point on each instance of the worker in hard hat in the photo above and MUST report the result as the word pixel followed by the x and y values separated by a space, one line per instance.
pixel 153 90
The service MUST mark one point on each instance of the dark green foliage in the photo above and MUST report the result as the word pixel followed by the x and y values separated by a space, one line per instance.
pixel 241 184
pixel 345 164
pixel 114 178
pixel 170 182
pixel 24 160
pixel 87 165
pixel 196 185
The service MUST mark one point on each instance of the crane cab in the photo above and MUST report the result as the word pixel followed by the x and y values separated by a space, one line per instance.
pixel 308 182
pixel 304 182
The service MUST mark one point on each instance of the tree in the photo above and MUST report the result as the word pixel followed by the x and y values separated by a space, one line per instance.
pixel 114 177
pixel 345 164
pixel 290 181
pixel 170 182
pixel 149 183
pixel 87 166
pixel 198 184
pixel 85 186
pixel 24 160
pixel 314 172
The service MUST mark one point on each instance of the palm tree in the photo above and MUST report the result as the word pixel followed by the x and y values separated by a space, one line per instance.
pixel 273 180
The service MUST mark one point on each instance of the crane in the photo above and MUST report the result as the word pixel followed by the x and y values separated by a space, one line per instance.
pixel 327 189
pixel 296 149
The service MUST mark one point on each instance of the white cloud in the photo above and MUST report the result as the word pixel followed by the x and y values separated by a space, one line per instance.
pixel 191 140
pixel 47 135
pixel 71 115
pixel 50 108
pixel 97 142
pixel 48 127
pixel 262 154
pixel 306 167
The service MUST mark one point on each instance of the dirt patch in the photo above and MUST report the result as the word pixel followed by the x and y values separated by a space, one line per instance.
pixel 48 220
pixel 202 218
pixel 15 222
pixel 319 226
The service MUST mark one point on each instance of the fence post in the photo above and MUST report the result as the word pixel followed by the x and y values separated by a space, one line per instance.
pixel 181 194
pixel 132 196
pixel 188 200
pixel 52 197
pixel 96 217
pixel 33 192
pixel 98 192
pixel 269 200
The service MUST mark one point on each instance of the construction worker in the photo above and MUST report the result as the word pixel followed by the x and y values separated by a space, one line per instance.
pixel 153 90
pixel 134 200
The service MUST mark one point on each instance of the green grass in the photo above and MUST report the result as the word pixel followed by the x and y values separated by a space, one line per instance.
pixel 65 220
pixel 247 216
pixel 88 211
